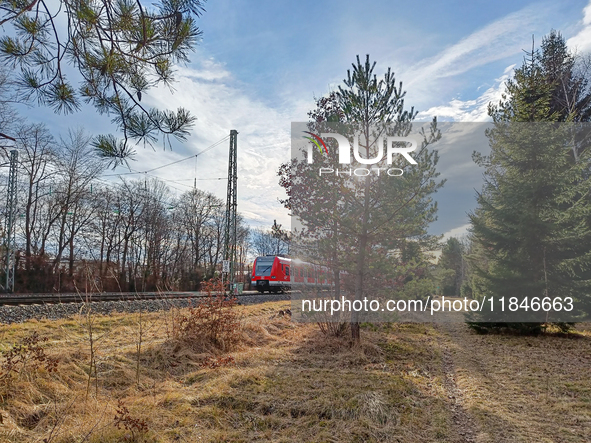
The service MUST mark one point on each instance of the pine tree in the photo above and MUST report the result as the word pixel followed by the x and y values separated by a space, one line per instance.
pixel 119 48
pixel 452 258
pixel 567 77
pixel 533 213
pixel 354 223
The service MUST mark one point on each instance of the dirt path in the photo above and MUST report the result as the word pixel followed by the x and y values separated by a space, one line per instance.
pixel 506 389
pixel 462 420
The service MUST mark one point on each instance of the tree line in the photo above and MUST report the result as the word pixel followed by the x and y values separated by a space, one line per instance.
pixel 530 234
pixel 76 231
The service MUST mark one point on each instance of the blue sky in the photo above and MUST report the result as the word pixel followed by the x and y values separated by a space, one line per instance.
pixel 260 64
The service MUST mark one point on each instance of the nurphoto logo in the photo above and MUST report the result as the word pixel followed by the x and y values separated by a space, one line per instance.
pixel 394 146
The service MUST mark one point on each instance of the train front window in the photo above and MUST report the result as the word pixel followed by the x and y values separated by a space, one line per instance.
pixel 263 266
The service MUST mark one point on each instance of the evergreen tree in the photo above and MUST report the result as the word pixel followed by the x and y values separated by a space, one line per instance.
pixel 354 223
pixel 532 220
pixel 120 49
pixel 452 257
pixel 567 78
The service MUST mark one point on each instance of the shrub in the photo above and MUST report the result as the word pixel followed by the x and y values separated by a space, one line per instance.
pixel 24 358
pixel 136 426
pixel 213 323
pixel 418 289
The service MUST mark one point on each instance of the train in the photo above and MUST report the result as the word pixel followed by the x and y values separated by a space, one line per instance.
pixel 274 273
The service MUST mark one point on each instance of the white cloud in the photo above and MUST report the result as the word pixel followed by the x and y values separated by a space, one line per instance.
pixel 494 42
pixel 470 110
pixel 458 232
pixel 581 42
pixel 479 48
pixel 211 71
pixel 211 94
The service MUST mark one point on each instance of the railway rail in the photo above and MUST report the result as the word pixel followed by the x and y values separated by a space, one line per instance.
pixel 32 299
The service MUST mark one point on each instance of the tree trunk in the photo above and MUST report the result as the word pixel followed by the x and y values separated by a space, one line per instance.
pixel 355 330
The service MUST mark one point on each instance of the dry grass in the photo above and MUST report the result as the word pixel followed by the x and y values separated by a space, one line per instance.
pixel 287 382
pixel 525 389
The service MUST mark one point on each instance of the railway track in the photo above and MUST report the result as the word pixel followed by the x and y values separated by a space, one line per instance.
pixel 32 299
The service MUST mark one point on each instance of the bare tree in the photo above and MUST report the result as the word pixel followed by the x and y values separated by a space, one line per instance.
pixel 267 242
pixel 37 150
pixel 78 167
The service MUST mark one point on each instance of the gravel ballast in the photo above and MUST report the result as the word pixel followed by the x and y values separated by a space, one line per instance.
pixel 19 314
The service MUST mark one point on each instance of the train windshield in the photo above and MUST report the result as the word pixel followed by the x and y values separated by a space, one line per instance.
pixel 263 266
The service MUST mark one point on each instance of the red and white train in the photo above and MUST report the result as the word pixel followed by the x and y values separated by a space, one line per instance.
pixel 277 274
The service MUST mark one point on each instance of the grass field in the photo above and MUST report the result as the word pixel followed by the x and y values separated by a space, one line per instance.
pixel 288 382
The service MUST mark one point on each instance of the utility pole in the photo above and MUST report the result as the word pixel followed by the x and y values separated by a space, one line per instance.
pixel 10 222
pixel 231 209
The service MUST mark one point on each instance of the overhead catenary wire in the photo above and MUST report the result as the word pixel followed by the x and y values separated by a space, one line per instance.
pixel 98 180
pixel 146 172
pixel 152 176
pixel 174 162
pixel 191 179
pixel 169 180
